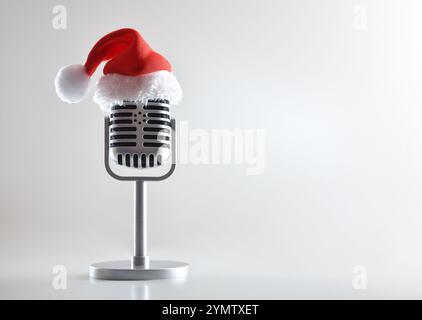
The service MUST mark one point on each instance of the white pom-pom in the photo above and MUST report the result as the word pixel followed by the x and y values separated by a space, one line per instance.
pixel 72 83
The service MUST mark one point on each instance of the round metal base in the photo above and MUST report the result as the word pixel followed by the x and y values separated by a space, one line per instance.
pixel 123 270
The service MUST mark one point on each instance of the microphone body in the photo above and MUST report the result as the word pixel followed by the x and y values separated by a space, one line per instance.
pixel 140 134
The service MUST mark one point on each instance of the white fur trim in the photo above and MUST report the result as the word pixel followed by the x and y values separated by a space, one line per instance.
pixel 72 83
pixel 114 89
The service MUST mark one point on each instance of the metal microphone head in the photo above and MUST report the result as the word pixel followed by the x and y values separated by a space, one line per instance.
pixel 140 135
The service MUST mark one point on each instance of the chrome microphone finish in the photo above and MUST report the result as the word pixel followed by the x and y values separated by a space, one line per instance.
pixel 140 134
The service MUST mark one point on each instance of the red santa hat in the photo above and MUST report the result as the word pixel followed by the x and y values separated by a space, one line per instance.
pixel 134 72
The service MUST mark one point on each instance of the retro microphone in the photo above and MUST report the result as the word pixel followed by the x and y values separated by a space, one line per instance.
pixel 136 93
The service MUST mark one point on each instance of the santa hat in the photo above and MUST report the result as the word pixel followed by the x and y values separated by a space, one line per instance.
pixel 134 72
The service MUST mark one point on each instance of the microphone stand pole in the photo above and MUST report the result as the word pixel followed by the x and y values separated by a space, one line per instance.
pixel 140 254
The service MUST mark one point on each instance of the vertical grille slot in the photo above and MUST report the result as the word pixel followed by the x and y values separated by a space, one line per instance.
pixel 127 160
pixel 143 160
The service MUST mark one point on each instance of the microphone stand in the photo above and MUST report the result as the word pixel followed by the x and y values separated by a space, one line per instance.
pixel 139 267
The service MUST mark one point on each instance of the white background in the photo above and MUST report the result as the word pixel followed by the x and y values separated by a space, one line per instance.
pixel 341 106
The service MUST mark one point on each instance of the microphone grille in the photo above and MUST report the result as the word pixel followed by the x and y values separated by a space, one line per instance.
pixel 140 134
